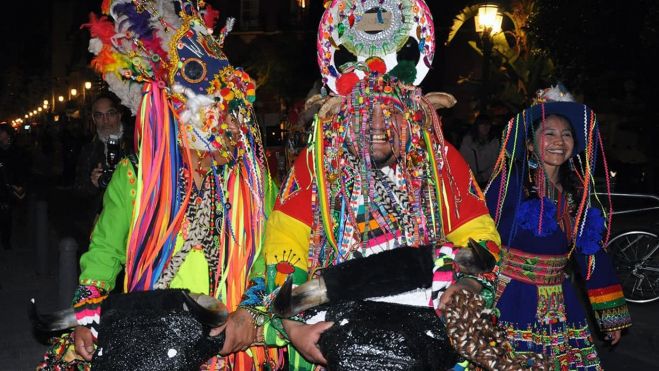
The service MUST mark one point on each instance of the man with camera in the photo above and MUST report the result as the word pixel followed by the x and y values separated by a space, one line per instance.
pixel 99 157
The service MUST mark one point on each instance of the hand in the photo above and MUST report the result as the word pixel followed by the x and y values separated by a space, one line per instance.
pixel 239 330
pixel 84 342
pixel 465 283
pixel 96 174
pixel 305 339
pixel 613 336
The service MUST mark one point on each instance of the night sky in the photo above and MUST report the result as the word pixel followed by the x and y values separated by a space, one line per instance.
pixel 591 38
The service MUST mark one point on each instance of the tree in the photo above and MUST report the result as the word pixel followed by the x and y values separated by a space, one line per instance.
pixel 521 66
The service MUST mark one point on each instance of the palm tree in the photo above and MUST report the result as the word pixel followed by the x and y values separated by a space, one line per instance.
pixel 522 68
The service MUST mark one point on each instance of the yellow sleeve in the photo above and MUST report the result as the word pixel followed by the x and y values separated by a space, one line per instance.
pixel 286 249
pixel 480 229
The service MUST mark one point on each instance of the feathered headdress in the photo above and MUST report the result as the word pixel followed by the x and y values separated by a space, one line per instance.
pixel 165 63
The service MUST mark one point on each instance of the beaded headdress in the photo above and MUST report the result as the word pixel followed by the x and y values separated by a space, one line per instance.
pixel 164 61
pixel 375 32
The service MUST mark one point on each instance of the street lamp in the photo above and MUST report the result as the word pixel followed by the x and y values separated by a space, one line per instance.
pixel 488 23
pixel 488 19
pixel 60 98
pixel 88 85
pixel 74 92
pixel 45 102
pixel 39 109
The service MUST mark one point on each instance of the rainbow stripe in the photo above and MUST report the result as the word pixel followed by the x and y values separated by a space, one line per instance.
pixel 321 182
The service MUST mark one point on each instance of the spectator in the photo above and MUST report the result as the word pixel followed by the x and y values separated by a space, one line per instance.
pixel 93 171
pixel 480 149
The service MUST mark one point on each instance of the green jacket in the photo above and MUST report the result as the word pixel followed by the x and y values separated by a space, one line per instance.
pixel 106 256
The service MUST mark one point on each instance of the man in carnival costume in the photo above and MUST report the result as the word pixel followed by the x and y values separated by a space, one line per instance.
pixel 542 199
pixel 189 211
pixel 376 177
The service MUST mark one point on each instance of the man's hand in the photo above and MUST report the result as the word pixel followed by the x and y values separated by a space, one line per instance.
pixel 613 336
pixel 239 330
pixel 96 174
pixel 305 339
pixel 84 342
pixel 465 283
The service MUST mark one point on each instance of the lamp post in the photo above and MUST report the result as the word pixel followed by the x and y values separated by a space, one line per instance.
pixel 87 86
pixel 488 23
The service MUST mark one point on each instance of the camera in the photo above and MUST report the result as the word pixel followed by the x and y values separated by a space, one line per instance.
pixel 112 157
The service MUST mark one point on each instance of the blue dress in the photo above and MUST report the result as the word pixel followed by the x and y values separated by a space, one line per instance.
pixel 539 308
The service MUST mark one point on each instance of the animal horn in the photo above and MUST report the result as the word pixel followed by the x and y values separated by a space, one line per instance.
pixel 49 322
pixel 207 309
pixel 289 301
pixel 330 107
pixel 474 259
pixel 441 100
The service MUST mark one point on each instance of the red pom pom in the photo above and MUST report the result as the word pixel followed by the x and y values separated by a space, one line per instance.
pixel 346 83
pixel 376 64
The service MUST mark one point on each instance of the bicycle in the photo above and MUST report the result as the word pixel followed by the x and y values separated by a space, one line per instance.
pixel 635 254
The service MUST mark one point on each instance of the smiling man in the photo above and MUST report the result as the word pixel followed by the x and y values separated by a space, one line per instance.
pixel 377 176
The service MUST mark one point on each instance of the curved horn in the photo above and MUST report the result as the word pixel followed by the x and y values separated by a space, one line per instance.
pixel 207 309
pixel 49 322
pixel 330 107
pixel 441 100
pixel 290 302
pixel 474 259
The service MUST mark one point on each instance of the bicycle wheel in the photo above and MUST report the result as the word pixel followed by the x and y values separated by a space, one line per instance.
pixel 635 255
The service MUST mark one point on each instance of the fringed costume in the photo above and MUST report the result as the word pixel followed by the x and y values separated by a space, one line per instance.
pixel 542 229
pixel 162 59
pixel 336 205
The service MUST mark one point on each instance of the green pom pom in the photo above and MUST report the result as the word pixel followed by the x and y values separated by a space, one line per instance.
pixel 404 71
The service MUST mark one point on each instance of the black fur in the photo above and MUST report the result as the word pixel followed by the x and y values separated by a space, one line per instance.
pixel 387 273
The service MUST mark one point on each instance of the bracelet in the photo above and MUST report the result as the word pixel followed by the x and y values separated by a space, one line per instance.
pixel 259 318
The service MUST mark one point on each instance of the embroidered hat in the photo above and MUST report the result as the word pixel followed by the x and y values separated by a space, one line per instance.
pixel 554 100
pixel 375 33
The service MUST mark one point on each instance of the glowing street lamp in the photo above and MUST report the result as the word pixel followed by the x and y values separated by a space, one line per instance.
pixel 74 92
pixel 88 85
pixel 39 109
pixel 487 23
pixel 60 98
pixel 45 102
pixel 488 19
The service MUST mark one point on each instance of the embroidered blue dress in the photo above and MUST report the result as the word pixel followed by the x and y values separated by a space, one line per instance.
pixel 539 307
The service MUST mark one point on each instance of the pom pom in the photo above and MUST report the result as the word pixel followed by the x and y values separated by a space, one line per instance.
pixel 528 217
pixel 211 16
pixel 589 240
pixel 376 65
pixel 404 71
pixel 346 83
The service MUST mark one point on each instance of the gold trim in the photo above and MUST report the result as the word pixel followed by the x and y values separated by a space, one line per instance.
pixel 188 79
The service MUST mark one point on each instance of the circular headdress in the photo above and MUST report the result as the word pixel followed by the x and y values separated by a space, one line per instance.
pixel 374 32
